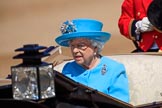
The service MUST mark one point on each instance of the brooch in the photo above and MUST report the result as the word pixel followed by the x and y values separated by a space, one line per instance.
pixel 104 69
pixel 68 27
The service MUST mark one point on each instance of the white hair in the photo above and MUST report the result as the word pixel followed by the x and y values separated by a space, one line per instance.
pixel 97 44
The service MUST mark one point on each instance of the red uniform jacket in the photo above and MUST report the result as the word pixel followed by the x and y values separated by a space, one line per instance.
pixel 134 10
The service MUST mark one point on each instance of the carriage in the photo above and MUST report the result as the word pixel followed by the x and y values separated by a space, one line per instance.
pixel 144 74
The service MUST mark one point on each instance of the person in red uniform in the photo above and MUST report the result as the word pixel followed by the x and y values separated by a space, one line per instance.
pixel 134 24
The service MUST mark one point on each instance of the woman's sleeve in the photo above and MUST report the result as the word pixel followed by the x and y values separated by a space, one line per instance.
pixel 119 84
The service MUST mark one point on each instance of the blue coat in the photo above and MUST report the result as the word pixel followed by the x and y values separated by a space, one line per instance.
pixel 108 76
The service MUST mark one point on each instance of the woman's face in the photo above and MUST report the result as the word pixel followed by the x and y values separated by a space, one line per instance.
pixel 82 51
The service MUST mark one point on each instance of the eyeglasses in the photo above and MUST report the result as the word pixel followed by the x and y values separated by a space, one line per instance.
pixel 80 46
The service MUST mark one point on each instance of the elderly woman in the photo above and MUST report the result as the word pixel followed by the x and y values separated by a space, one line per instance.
pixel 86 40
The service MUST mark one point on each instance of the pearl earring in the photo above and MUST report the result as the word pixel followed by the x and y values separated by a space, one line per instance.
pixel 95 53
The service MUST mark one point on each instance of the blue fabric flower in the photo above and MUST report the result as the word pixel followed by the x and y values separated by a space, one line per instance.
pixel 68 27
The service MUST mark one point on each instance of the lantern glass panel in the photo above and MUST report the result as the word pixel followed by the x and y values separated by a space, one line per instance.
pixel 47 86
pixel 24 83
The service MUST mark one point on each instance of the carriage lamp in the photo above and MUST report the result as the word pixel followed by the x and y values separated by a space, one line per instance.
pixel 32 79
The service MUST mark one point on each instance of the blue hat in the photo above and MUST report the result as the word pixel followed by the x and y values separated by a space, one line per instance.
pixel 82 28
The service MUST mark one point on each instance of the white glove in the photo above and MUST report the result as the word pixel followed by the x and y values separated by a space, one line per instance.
pixel 143 25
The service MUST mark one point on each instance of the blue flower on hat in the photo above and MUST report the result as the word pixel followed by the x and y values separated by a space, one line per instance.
pixel 68 27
